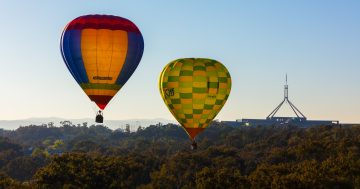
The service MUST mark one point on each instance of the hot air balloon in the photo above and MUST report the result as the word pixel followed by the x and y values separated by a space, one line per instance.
pixel 194 90
pixel 101 53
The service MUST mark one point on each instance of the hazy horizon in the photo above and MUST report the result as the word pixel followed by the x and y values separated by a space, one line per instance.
pixel 112 124
pixel 315 42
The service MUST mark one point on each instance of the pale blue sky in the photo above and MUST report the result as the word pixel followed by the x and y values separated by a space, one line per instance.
pixel 316 42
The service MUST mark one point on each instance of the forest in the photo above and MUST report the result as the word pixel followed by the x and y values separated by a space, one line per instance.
pixel 159 156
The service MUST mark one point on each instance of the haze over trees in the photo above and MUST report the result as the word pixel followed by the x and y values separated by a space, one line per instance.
pixel 159 156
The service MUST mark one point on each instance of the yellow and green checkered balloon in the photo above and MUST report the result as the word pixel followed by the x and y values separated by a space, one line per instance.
pixel 195 90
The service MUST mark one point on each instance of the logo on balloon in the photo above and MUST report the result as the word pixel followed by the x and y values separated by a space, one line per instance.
pixel 102 78
pixel 169 92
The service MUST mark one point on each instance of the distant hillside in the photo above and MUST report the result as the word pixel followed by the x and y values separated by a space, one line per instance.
pixel 112 124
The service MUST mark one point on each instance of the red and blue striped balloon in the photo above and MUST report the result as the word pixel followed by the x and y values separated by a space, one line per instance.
pixel 101 52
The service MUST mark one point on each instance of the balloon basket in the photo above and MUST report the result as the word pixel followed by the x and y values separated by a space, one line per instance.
pixel 99 117
pixel 194 145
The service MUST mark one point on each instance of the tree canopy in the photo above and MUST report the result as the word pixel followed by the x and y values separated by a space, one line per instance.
pixel 159 156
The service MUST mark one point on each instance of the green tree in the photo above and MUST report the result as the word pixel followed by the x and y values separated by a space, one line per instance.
pixel 79 170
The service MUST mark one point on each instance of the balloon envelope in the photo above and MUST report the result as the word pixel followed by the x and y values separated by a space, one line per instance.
pixel 101 52
pixel 195 90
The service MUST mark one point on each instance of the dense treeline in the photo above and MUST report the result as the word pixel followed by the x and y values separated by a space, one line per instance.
pixel 159 156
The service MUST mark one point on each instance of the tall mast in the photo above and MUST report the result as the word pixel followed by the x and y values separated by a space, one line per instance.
pixel 286 89
pixel 286 99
